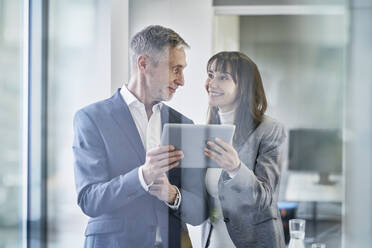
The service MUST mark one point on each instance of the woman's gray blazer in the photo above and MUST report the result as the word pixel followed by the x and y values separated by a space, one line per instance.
pixel 249 200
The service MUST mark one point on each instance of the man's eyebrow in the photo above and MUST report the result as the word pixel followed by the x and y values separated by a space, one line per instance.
pixel 179 65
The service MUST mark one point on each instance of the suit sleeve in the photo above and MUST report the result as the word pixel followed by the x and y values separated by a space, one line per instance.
pixel 98 193
pixel 257 189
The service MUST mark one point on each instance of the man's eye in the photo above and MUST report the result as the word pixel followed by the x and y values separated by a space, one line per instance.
pixel 176 70
pixel 223 78
pixel 210 75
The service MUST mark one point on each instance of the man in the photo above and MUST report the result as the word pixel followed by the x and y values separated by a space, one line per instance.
pixel 125 180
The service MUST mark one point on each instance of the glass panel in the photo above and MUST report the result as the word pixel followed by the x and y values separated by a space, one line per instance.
pixel 79 73
pixel 11 34
pixel 302 61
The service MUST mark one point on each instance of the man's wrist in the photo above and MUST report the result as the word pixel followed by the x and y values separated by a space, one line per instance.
pixel 177 202
pixel 145 176
pixel 142 180
pixel 174 195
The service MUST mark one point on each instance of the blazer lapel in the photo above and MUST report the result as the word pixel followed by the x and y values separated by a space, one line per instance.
pixel 121 114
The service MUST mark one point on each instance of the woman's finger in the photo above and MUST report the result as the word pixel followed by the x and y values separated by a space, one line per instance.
pixel 213 155
pixel 216 147
pixel 224 144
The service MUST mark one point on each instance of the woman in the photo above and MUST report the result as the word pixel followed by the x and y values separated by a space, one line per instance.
pixel 243 194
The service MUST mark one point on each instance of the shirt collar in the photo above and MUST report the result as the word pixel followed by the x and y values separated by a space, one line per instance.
pixel 128 97
pixel 131 99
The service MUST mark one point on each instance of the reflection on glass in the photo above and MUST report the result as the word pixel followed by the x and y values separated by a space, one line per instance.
pixel 302 58
pixel 318 245
pixel 323 152
pixel 297 233
pixel 78 70
pixel 11 29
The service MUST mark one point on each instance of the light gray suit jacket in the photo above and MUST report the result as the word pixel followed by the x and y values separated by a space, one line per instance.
pixel 249 200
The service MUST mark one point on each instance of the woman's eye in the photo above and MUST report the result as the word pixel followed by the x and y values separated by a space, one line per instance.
pixel 210 75
pixel 223 78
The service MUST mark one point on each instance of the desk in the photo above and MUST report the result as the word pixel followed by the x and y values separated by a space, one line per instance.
pixel 303 187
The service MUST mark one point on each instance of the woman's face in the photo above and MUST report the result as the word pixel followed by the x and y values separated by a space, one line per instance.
pixel 221 89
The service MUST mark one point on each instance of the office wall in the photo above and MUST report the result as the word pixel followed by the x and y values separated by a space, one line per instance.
pixel 226 33
pixel 119 43
pixel 303 66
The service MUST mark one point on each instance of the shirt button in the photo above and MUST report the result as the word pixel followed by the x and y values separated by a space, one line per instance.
pixel 226 220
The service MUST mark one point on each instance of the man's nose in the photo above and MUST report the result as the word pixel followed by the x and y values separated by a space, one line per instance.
pixel 180 80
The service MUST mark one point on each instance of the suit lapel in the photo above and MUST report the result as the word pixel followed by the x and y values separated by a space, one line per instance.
pixel 121 114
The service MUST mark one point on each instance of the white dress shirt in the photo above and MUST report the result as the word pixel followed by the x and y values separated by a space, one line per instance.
pixel 148 129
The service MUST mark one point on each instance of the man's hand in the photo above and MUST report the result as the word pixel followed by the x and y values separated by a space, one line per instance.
pixel 160 160
pixel 163 190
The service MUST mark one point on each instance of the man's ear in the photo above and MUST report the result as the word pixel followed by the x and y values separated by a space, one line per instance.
pixel 142 63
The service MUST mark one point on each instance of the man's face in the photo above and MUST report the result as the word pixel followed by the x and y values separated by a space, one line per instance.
pixel 166 76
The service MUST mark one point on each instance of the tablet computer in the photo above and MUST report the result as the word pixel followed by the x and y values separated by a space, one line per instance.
pixel 191 139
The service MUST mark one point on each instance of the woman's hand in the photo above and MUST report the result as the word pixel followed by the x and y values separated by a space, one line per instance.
pixel 224 154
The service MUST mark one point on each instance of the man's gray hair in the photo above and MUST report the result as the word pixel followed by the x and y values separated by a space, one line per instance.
pixel 152 41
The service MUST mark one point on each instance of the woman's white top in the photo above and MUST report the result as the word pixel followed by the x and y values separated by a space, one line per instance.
pixel 227 117
pixel 220 238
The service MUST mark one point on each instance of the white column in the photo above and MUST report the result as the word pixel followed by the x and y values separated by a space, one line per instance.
pixel 357 225
pixel 119 43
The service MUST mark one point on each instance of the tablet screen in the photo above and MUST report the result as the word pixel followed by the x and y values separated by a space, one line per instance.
pixel 191 139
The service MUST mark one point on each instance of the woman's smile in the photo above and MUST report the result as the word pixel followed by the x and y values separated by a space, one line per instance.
pixel 215 93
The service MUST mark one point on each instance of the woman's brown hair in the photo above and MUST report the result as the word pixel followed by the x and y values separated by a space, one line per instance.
pixel 251 99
